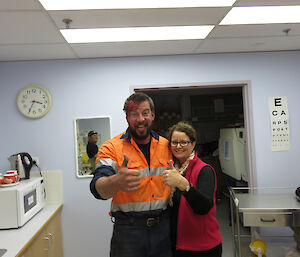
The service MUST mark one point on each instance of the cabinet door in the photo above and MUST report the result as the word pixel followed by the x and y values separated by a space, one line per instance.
pixel 53 232
pixel 49 242
pixel 38 247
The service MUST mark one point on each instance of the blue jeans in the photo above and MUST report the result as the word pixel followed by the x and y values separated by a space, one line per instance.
pixel 141 241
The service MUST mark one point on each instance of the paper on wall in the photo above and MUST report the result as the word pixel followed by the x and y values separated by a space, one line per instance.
pixel 280 128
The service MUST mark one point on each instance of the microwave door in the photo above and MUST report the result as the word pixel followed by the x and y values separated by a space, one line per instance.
pixel 28 205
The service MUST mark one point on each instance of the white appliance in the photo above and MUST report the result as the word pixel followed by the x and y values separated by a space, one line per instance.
pixel 19 203
pixel 232 153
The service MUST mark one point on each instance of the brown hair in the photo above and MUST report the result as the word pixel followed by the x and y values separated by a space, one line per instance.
pixel 138 98
pixel 185 128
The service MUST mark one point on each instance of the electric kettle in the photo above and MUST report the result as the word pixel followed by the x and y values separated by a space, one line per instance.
pixel 297 192
pixel 22 162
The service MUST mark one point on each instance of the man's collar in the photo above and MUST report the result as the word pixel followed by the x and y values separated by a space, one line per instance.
pixel 128 136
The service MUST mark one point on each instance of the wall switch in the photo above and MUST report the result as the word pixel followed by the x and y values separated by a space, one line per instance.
pixel 36 159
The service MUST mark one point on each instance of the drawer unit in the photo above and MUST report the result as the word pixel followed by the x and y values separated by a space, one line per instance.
pixel 272 219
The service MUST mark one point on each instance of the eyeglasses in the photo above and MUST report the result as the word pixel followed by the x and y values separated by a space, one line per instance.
pixel 145 114
pixel 181 143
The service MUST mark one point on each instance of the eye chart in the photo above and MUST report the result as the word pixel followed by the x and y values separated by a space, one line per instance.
pixel 280 128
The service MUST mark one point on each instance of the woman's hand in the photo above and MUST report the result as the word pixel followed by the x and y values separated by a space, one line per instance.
pixel 174 179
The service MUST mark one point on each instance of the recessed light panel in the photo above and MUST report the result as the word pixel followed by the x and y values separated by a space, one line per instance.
pixel 262 15
pixel 130 4
pixel 135 34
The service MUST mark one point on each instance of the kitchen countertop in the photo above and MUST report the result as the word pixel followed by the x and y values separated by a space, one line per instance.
pixel 16 240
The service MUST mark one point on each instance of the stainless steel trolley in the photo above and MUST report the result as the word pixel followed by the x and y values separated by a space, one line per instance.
pixel 261 207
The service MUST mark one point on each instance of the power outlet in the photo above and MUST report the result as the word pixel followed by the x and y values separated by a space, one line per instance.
pixel 36 159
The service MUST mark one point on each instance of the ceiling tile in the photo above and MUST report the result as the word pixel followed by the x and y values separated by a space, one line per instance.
pixel 20 5
pixel 265 2
pixel 256 30
pixel 35 52
pixel 28 27
pixel 252 44
pixel 144 17
pixel 135 48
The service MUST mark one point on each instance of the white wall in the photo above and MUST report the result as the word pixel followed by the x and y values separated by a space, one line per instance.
pixel 98 87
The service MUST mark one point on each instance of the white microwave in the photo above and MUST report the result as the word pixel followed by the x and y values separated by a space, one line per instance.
pixel 19 203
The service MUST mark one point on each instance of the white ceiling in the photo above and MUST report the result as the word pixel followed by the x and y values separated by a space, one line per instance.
pixel 29 32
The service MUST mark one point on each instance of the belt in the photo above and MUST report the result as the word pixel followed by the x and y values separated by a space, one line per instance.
pixel 146 222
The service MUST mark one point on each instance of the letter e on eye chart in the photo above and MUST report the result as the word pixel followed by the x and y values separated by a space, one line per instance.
pixel 280 128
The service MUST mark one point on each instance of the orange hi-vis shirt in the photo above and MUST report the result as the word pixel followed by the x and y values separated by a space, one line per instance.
pixel 152 194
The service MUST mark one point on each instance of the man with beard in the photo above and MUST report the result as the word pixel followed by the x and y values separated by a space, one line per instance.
pixel 129 170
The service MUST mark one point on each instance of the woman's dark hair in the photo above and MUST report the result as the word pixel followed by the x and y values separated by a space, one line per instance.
pixel 138 98
pixel 183 127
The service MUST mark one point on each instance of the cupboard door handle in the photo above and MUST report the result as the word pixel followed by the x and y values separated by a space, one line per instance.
pixel 50 236
pixel 48 241
pixel 267 220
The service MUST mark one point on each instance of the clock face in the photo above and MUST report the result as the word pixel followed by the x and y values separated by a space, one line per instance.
pixel 34 101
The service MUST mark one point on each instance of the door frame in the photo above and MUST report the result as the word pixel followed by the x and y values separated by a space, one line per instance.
pixel 247 106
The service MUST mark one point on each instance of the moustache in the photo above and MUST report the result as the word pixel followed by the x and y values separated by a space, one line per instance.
pixel 141 124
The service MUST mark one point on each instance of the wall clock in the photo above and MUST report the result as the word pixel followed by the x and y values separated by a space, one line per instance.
pixel 34 101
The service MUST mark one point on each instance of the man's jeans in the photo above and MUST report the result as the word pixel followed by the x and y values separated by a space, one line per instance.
pixel 141 241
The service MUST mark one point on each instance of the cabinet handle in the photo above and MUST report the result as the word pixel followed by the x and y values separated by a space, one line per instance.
pixel 267 220
pixel 50 236
pixel 48 240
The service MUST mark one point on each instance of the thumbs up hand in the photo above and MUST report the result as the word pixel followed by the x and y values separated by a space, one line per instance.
pixel 125 161
pixel 171 165
pixel 174 179
pixel 129 179
pixel 171 176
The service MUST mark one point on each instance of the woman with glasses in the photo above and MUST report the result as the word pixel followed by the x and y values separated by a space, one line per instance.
pixel 192 200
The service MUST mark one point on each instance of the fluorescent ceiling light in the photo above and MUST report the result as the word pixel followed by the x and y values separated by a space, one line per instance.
pixel 262 15
pixel 130 4
pixel 135 34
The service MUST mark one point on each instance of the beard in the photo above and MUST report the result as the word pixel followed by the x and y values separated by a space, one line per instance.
pixel 136 135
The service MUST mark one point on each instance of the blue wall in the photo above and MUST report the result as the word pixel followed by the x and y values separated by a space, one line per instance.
pixel 98 87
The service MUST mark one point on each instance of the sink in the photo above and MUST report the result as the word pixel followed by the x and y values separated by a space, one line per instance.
pixel 2 252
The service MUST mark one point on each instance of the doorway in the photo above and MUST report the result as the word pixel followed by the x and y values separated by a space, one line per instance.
pixel 209 107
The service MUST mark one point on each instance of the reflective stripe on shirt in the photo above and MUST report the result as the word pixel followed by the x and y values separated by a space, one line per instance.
pixel 107 162
pixel 141 206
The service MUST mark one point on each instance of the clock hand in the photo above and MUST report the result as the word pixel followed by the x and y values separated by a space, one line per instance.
pixel 37 102
pixel 30 107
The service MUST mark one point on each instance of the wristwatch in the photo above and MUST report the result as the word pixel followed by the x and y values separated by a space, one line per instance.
pixel 188 187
